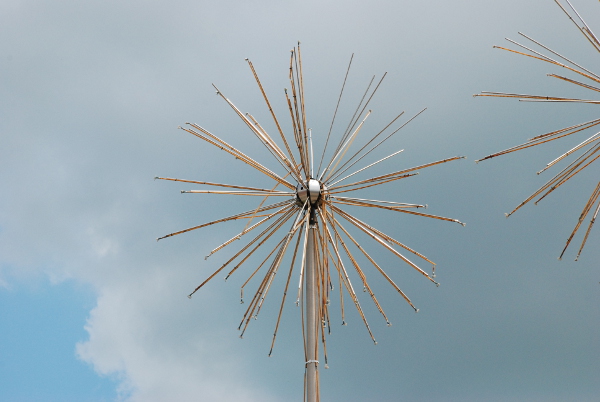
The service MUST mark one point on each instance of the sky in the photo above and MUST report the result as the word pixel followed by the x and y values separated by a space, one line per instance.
pixel 92 308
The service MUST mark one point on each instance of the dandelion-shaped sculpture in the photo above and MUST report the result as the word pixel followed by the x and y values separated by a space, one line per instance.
pixel 317 227
pixel 588 150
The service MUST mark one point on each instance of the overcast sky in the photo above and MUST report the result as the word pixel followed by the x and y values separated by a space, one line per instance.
pixel 93 308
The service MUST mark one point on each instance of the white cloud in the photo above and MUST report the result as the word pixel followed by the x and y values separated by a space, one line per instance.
pixel 143 333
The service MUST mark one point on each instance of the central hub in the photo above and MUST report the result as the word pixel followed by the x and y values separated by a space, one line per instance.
pixel 312 190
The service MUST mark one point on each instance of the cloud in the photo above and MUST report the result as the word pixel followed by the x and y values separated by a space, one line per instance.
pixel 159 349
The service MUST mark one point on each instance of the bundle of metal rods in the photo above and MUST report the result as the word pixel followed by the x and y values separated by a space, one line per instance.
pixel 310 221
pixel 589 149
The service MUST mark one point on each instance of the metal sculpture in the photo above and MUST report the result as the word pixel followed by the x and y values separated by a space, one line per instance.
pixel 589 149
pixel 312 203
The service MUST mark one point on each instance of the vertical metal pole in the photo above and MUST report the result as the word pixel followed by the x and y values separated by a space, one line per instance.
pixel 312 370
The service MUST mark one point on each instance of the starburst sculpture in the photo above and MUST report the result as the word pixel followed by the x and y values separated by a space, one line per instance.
pixel 310 219
pixel 588 151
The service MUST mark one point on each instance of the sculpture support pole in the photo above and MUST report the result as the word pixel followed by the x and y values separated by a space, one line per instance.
pixel 311 351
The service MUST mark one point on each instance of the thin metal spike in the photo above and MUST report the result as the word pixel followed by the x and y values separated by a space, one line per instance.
pixel 398 173
pixel 397 204
pixel 376 183
pixel 366 104
pixel 247 193
pixel 215 184
pixel 232 217
pixel 349 127
pixel 239 155
pixel 382 242
pixel 581 84
pixel 587 233
pixel 366 167
pixel 271 230
pixel 366 204
pixel 302 265
pixel 381 271
pixel 547 60
pixel 561 56
pixel 263 137
pixel 236 255
pixel 584 213
pixel 378 144
pixel 287 283
pixel 346 146
pixel 334 114
pixel 349 284
pixel 239 236
pixel 590 140
pixel 361 274
pixel 291 155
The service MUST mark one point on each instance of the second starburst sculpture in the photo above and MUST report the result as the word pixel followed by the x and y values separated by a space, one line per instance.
pixel 588 150
pixel 310 219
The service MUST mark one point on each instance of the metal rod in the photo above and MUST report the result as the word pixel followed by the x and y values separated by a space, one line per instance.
pixel 346 146
pixel 366 167
pixel 243 215
pixel 311 326
pixel 334 114
pixel 272 112
pixel 343 168
pixel 254 193
pixel 398 173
